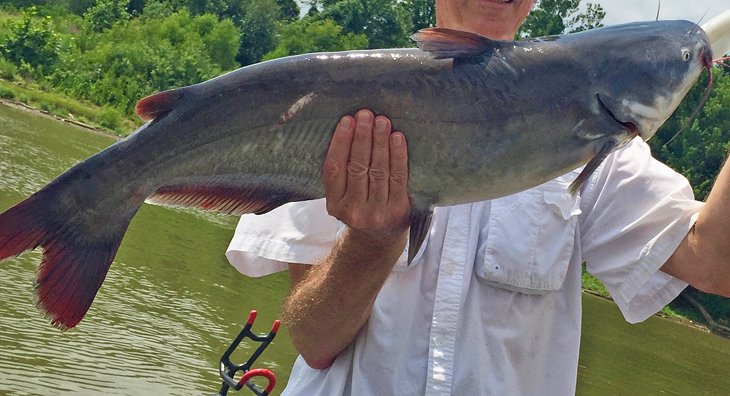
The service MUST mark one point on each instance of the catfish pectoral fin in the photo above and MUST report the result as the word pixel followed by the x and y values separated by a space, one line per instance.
pixel 420 224
pixel 591 167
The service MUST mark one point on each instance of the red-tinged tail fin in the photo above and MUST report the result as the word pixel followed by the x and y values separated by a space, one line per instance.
pixel 15 235
pixel 75 258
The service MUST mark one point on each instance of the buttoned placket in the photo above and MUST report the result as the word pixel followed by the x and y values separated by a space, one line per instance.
pixel 448 300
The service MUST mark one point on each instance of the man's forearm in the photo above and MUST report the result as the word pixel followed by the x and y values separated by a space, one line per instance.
pixel 365 179
pixel 327 309
pixel 703 257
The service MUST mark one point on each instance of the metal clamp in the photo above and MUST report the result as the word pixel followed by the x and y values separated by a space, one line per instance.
pixel 229 369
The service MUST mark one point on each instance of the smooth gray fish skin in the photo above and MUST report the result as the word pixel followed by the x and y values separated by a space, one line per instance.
pixel 483 119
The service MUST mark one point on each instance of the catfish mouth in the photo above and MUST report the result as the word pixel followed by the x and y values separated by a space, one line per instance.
pixel 629 126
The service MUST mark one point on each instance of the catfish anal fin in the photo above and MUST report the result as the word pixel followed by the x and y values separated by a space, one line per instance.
pixel 225 198
pixel 450 43
pixel 420 224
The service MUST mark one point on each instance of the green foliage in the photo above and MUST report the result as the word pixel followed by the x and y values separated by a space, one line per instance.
pixel 105 13
pixel 7 70
pixel 315 36
pixel 23 3
pixel 422 12
pixel 592 18
pixel 288 10
pixel 109 118
pixel 216 7
pixel 32 43
pixel 221 41
pixel 550 17
pixel 6 93
pixel 700 149
pixel 593 284
pixel 143 56
pixel 157 9
pixel 135 7
pixel 258 31
pixel 383 22
pixel 79 7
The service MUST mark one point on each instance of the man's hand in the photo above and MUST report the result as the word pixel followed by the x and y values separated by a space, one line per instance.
pixel 365 176
pixel 365 180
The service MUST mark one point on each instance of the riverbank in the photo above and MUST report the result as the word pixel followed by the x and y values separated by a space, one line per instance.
pixel 70 121
pixel 32 97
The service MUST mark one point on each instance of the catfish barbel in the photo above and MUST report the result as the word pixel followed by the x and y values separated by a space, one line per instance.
pixel 482 118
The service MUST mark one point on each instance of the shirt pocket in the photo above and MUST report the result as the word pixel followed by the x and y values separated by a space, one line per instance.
pixel 527 239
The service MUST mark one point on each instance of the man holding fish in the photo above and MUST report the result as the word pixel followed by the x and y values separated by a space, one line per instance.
pixel 491 303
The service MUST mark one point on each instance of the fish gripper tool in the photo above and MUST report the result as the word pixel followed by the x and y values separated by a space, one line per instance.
pixel 228 369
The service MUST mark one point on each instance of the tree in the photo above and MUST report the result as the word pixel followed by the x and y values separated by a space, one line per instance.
pixel 147 55
pixel 422 13
pixel 135 7
pixel 216 7
pixel 314 7
pixel 258 31
pixel 222 43
pixel 383 22
pixel 288 10
pixel 32 42
pixel 106 13
pixel 590 19
pixel 551 17
pixel 700 146
pixel 79 7
pixel 315 36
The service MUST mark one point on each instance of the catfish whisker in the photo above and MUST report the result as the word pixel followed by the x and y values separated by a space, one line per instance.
pixel 708 65
pixel 696 28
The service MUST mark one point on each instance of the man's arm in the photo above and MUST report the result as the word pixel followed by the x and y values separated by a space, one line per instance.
pixel 365 182
pixel 703 257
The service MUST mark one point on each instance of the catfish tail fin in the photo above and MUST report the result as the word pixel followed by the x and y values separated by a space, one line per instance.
pixel 76 257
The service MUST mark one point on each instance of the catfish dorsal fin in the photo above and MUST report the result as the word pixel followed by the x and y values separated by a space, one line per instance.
pixel 450 43
pixel 155 105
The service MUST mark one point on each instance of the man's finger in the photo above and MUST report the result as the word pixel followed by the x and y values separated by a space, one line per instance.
pixel 334 174
pixel 379 173
pixel 359 163
pixel 398 189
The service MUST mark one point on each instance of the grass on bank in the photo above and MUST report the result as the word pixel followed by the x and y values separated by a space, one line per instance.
pixel 60 105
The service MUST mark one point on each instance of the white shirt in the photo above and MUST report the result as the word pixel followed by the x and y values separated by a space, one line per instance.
pixel 492 303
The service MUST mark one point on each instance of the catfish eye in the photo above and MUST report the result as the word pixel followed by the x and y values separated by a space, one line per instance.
pixel 686 55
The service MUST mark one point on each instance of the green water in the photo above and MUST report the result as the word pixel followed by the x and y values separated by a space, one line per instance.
pixel 171 304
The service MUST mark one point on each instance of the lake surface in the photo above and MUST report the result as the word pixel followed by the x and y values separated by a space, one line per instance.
pixel 171 304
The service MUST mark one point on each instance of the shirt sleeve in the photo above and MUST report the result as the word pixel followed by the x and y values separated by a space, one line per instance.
pixel 299 232
pixel 636 212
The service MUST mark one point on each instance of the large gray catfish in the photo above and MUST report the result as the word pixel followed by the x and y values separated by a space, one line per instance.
pixel 482 118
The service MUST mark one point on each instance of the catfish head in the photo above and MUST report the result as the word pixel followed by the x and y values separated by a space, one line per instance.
pixel 653 70
pixel 638 75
